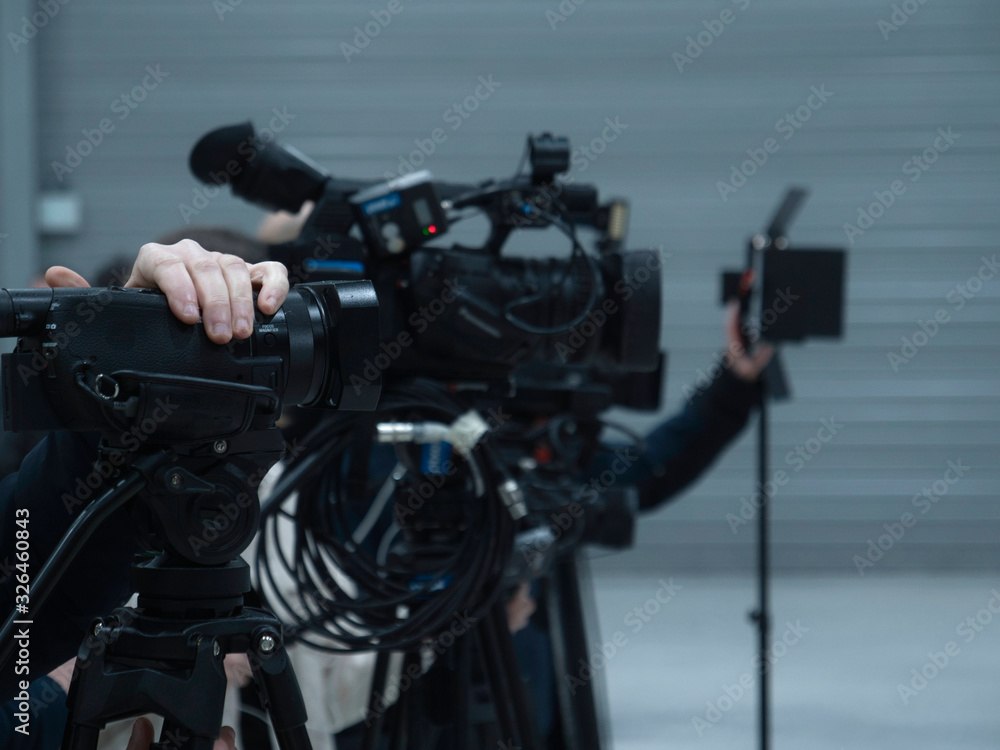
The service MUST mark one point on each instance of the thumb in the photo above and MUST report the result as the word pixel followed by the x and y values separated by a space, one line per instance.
pixel 142 734
pixel 60 276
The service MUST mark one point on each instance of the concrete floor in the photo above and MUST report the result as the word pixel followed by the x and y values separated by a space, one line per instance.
pixel 834 688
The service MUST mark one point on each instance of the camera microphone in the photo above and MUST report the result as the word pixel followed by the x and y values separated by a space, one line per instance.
pixel 275 176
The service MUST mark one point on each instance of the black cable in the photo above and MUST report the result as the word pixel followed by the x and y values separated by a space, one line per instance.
pixel 564 223
pixel 68 548
pixel 595 292
pixel 388 606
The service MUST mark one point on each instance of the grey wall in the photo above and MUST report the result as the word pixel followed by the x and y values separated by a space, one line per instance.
pixel 891 92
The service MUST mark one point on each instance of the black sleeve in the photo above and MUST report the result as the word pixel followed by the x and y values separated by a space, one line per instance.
pixel 57 479
pixel 680 449
pixel 47 717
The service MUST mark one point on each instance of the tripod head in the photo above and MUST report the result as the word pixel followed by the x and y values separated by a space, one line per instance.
pixel 200 504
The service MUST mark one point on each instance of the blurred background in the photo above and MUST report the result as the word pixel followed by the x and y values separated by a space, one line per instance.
pixel 102 100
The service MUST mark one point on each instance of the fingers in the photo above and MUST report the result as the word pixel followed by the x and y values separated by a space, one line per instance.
pixel 219 285
pixel 520 608
pixel 733 323
pixel 283 226
pixel 213 297
pixel 63 674
pixel 238 669
pixel 745 365
pixel 750 367
pixel 60 276
pixel 272 280
pixel 227 741
pixel 163 267
pixel 761 358
pixel 237 281
pixel 142 735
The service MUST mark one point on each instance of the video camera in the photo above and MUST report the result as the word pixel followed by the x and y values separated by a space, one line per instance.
pixel 99 359
pixel 461 313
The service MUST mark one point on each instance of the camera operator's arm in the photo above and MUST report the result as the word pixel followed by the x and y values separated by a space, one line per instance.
pixel 680 449
pixel 59 477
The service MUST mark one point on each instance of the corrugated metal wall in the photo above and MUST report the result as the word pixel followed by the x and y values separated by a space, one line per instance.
pixel 697 84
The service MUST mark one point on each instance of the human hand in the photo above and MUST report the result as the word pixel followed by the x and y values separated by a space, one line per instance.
pixel 238 670
pixel 63 674
pixel 282 226
pixel 520 607
pixel 142 736
pixel 192 278
pixel 741 363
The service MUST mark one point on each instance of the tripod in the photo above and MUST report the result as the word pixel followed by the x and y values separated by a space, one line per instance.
pixel 814 277
pixel 200 509
pixel 166 657
pixel 474 696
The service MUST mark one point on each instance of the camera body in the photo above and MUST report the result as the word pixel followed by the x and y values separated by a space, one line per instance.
pixel 462 314
pixel 196 419
pixel 109 359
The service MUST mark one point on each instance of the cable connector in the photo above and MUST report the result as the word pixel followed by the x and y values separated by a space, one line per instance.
pixel 411 432
pixel 466 431
pixel 513 497
pixel 463 434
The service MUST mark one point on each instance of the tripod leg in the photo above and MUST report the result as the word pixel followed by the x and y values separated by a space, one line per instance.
pixel 463 702
pixel 509 701
pixel 400 729
pixel 375 718
pixel 279 692
pixel 174 736
pixel 580 709
pixel 80 738
pixel 109 683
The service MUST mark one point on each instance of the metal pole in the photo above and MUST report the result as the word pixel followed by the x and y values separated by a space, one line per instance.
pixel 763 614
